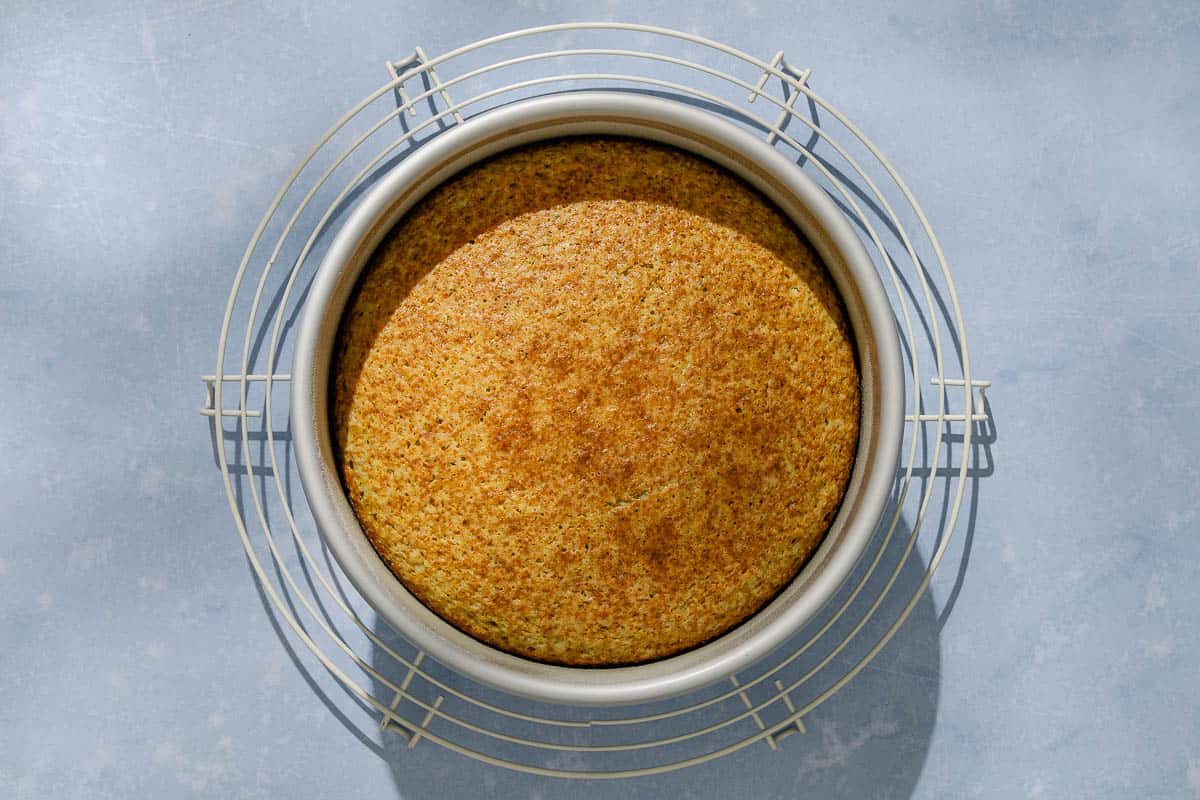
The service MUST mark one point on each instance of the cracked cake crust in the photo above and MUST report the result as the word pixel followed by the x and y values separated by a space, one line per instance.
pixel 595 401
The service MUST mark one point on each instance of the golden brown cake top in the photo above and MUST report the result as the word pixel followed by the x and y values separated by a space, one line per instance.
pixel 595 401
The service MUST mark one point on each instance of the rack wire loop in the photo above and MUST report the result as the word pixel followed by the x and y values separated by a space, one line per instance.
pixel 779 62
pixel 947 411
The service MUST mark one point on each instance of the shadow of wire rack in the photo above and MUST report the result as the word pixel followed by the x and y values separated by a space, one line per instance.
pixel 949 421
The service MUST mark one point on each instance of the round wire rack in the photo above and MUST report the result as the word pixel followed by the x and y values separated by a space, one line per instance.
pixel 945 449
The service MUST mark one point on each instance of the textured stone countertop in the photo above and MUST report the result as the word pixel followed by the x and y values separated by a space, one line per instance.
pixel 1053 149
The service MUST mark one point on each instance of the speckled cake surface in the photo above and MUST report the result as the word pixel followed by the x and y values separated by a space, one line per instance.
pixel 595 401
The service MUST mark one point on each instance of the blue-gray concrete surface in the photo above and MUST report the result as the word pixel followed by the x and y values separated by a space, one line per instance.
pixel 1054 148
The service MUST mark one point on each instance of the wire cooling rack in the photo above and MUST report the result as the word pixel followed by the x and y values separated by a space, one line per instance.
pixel 947 436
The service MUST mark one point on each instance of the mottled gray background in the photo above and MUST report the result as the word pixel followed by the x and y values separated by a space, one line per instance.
pixel 1054 147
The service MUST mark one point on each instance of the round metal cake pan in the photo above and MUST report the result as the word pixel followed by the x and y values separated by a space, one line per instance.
pixel 707 135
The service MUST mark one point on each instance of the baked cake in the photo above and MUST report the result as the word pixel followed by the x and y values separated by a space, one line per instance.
pixel 595 401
